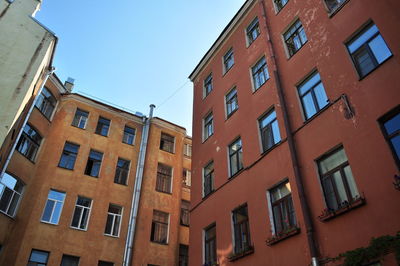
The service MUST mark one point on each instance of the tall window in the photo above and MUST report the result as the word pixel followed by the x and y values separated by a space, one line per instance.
pixel 282 208
pixel 68 156
pixel 228 60
pixel 235 157
pixel 81 216
pixel 167 142
pixel 159 227
pixel 185 213
pixel 38 257
pixel 208 178
pixel 208 128
pixel 295 38
pixel 337 180
pixel 279 4
pixel 269 130
pixel 391 128
pixel 368 50
pixel 252 31
pixel 103 125
pixel 46 103
pixel 122 171
pixel 29 142
pixel 114 218
pixel 260 73
pixel 53 208
pixel 208 85
pixel 68 260
pixel 183 255
pixel 80 118
pixel 231 100
pixel 187 177
pixel 210 245
pixel 129 135
pixel 93 164
pixel 187 150
pixel 312 95
pixel 241 230
pixel 10 194
pixel 164 178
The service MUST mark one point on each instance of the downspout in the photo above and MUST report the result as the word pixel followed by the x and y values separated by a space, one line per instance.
pixel 292 147
pixel 137 189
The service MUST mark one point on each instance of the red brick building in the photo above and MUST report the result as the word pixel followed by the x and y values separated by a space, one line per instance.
pixel 296 135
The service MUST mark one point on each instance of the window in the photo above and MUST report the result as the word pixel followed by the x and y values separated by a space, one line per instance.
pixel 312 95
pixel 235 157
pixel 282 208
pixel 260 73
pixel 159 227
pixel 10 194
pixel 337 180
pixel 295 38
pixel 208 178
pixel 187 150
pixel 103 125
pixel 80 119
pixel 334 4
pixel 252 31
pixel 167 143
pixel 279 4
pixel 187 177
pixel 29 142
pixel 81 216
pixel 228 60
pixel 129 135
pixel 208 85
pixel 94 163
pixel 38 257
pixel 46 103
pixel 68 260
pixel 208 129
pixel 269 130
pixel 391 129
pixel 241 230
pixel 368 50
pixel 185 215
pixel 183 255
pixel 53 208
pixel 231 100
pixel 68 156
pixel 114 218
pixel 105 263
pixel 122 171
pixel 164 178
pixel 210 245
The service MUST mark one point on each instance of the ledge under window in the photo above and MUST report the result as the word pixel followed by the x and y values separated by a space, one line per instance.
pixel 235 256
pixel 329 214
pixel 283 235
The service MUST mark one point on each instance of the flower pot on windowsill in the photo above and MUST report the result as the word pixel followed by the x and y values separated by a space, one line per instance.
pixel 283 235
pixel 235 256
pixel 344 207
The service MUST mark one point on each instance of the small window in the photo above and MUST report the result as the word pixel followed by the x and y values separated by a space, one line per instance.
pixel 38 257
pixel 252 31
pixel 295 38
pixel 122 171
pixel 68 156
pixel 81 215
pixel 208 85
pixel 333 5
pixel 53 208
pixel 260 73
pixel 10 194
pixel 114 218
pixel 187 150
pixel 93 164
pixel 185 213
pixel 164 178
pixel 187 177
pixel 269 130
pixel 105 263
pixel 279 4
pixel 368 50
pixel 208 129
pixel 312 95
pixel 167 142
pixel 241 230
pixel 391 129
pixel 159 227
pixel 228 60
pixel 210 245
pixel 129 135
pixel 29 143
pixel 231 100
pixel 80 118
pixel 68 260
pixel 46 103
pixel 103 125
pixel 235 157
pixel 283 213
pixel 183 255
pixel 208 178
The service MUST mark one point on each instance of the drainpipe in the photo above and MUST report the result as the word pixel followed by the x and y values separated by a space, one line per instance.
pixel 137 189
pixel 50 71
pixel 292 147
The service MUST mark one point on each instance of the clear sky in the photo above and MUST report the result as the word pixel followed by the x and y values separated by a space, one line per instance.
pixel 133 53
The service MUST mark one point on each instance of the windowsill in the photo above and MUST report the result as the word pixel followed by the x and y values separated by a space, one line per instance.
pixel 125 185
pixel 230 114
pixel 165 192
pixel 91 176
pixel 130 144
pixel 337 9
pixel 65 168
pixel 282 236
pixel 111 236
pixel 232 257
pixel 48 223
pixel 317 114
pixel 271 148
pixel 208 195
pixel 171 152
pixel 237 173
pixel 227 70
pixel 33 162
pixel 101 135
pixel 78 229
pixel 204 141
pixel 159 243
pixel 327 214
pixel 48 119
pixel 250 43
pixel 185 225
pixel 7 215
pixel 366 75
pixel 80 127
pixel 291 56
pixel 255 90
pixel 187 157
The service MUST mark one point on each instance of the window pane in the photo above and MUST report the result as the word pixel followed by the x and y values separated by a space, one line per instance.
pixel 48 210
pixel 320 94
pixel 333 161
pixel 69 260
pixel 363 38
pixel 76 217
pixel 275 130
pixel 396 145
pixel 109 224
pixel 39 256
pixel 364 61
pixel 13 204
pixel 5 199
pixel 277 219
pixel 308 104
pixel 350 181
pixel 329 194
pixel 56 213
pixel 380 49
pixel 337 177
pixel 393 124
pixel 9 181
pixel 56 195
pixel 116 225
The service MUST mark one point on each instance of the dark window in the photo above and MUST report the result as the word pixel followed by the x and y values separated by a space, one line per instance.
pixel 105 263
pixel 29 142
pixel 103 125
pixel 38 257
pixel 241 230
pixel 208 179
pixel 80 118
pixel 159 227
pixel 164 176
pixel 167 142
pixel 337 180
pixel 279 4
pixel 53 208
pixel 334 4
pixel 231 100
pixel 252 31
pixel 269 130
pixel 368 50
pixel 114 218
pixel 282 208
pixel 68 156
pixel 68 260
pixel 295 38
pixel 187 150
pixel 46 103
pixel 210 245
pixel 208 126
pixel 312 95
pixel 260 73
pixel 81 215
pixel 187 177
pixel 129 135
pixel 183 255
pixel 122 171
pixel 185 213
pixel 10 194
pixel 94 163
pixel 391 129
pixel 235 157
pixel 228 60
pixel 208 85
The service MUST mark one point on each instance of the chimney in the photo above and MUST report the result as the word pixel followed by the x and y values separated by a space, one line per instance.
pixel 69 84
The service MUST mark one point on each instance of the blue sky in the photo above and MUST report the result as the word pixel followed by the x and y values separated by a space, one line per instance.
pixel 134 53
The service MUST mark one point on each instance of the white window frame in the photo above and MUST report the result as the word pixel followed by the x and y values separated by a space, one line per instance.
pixel 114 215
pixel 186 150
pixel 13 194
pixel 80 119
pixel 134 136
pixel 52 211
pixel 204 124
pixel 81 216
